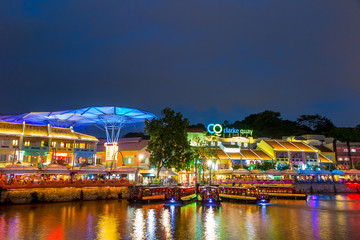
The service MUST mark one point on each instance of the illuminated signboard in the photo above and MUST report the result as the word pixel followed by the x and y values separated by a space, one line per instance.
pixel 217 129
pixel 111 151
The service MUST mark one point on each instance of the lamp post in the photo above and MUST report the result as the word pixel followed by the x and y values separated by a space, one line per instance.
pixel 209 164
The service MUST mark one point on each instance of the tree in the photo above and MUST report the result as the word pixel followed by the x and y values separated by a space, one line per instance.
pixel 203 153
pixel 316 122
pixel 168 142
pixel 267 165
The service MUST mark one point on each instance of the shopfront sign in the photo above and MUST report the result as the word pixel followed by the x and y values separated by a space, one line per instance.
pixel 217 129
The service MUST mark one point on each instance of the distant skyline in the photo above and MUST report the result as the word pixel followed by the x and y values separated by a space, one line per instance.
pixel 211 60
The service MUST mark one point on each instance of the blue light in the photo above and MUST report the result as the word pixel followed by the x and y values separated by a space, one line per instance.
pixel 210 200
pixel 172 200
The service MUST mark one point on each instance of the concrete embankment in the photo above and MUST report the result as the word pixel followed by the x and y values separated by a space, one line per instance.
pixel 326 188
pixel 43 195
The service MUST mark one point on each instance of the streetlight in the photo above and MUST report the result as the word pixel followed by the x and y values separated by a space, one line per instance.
pixel 209 164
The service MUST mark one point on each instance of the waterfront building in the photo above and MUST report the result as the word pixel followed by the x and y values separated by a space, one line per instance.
pixel 131 152
pixel 294 153
pixel 38 145
pixel 231 150
pixel 348 154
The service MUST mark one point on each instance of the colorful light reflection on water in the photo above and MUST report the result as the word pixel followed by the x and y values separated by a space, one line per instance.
pixel 321 217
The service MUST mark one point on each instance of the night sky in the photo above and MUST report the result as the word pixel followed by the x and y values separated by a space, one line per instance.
pixel 211 60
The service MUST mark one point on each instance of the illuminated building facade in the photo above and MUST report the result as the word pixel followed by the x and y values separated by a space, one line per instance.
pixel 348 154
pixel 131 152
pixel 39 144
pixel 294 153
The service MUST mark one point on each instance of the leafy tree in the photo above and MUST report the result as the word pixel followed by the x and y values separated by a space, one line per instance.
pixel 330 167
pixel 282 167
pixel 357 165
pixel 198 126
pixel 136 134
pixel 316 123
pixel 168 142
pixel 266 165
pixel 203 153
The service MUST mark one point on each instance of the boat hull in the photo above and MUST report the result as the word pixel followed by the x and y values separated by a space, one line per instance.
pixel 243 199
pixel 287 196
pixel 182 201
pixel 149 199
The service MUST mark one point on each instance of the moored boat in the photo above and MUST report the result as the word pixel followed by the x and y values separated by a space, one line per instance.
pixel 282 192
pixel 180 195
pixel 244 195
pixel 209 195
pixel 146 194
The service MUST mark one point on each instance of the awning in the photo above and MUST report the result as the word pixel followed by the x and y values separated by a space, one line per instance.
pixel 241 171
pixel 306 172
pixel 273 172
pixel 121 170
pixel 90 169
pixel 323 172
pixel 337 172
pixel 54 169
pixel 352 172
pixel 289 172
pixel 148 174
pixel 18 169
pixel 167 173
pixel 223 172
pixel 257 172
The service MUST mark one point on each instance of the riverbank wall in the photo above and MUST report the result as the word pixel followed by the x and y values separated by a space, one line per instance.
pixel 47 195
pixel 314 188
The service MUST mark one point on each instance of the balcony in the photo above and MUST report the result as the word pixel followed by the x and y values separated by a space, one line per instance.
pixel 84 152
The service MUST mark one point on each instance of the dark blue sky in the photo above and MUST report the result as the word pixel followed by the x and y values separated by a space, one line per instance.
pixel 212 60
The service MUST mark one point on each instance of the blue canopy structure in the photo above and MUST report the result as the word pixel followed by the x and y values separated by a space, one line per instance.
pixel 110 119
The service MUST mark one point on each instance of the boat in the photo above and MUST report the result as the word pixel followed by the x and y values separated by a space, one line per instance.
pixel 147 194
pixel 282 192
pixel 209 195
pixel 243 195
pixel 180 195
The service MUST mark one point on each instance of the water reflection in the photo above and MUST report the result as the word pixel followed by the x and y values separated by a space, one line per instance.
pixel 321 217
pixel 166 222
pixel 107 227
pixel 139 224
pixel 210 224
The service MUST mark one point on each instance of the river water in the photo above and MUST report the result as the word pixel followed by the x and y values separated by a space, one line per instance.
pixel 321 217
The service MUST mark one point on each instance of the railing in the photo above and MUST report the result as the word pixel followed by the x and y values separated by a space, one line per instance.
pixel 16 184
pixel 284 181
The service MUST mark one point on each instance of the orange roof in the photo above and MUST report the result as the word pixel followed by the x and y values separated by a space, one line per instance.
pixel 263 155
pixel 323 149
pixel 276 145
pixel 289 146
pixel 235 155
pixel 323 159
pixel 249 154
pixel 221 154
pixel 304 147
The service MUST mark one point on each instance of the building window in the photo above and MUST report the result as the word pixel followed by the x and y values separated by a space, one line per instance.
pixel 345 150
pixel 15 142
pixel 53 144
pixel 144 160
pixel 68 145
pixel 2 158
pixel 129 159
pixel 27 143
pixel 353 150
pixel 246 145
